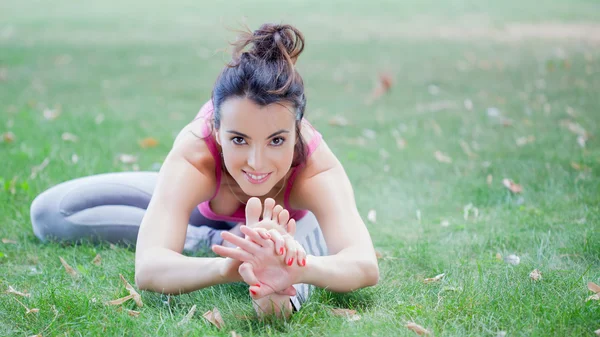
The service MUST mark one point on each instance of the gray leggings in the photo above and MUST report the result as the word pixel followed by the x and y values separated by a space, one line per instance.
pixel 110 207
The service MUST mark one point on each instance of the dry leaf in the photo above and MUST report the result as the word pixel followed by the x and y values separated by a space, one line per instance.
pixel 417 328
pixel 12 290
pixel 214 317
pixel 445 223
pixel 576 166
pixel 68 268
pixel 120 300
pixel 50 114
pixel 372 216
pixel 75 158
pixel 535 275
pixel 499 256
pixel 350 314
pixel 383 86
pixel 338 121
pixel 434 279
pixel 127 159
pixel 133 313
pixel 69 137
pixel 235 334
pixel 515 188
pixel 595 297
pixel 32 310
pixel 593 287
pixel 512 259
pixel 521 141
pixel 581 141
pixel 467 149
pixel 99 119
pixel 136 297
pixel 378 254
pixel 8 137
pixel 97 260
pixel 7 241
pixel 442 158
pixel 37 169
pixel 148 142
pixel 188 316
pixel 489 179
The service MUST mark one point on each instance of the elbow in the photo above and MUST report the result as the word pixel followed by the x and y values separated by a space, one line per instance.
pixel 143 279
pixel 372 274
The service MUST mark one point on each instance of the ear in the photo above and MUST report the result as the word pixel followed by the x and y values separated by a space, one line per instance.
pixel 218 137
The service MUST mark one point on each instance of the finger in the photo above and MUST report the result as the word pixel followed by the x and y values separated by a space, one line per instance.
pixel 234 253
pixel 257 290
pixel 290 291
pixel 291 227
pixel 253 209
pixel 276 210
pixel 279 241
pixel 284 216
pixel 246 245
pixel 268 209
pixel 254 235
pixel 291 248
pixel 264 234
pixel 300 255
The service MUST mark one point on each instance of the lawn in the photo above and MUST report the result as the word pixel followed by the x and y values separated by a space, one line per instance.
pixel 480 94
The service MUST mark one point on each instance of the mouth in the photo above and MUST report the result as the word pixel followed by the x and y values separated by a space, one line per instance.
pixel 256 178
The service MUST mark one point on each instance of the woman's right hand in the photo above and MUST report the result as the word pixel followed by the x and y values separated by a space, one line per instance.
pixel 277 226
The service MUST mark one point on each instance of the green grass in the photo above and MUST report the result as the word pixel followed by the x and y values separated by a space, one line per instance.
pixel 147 68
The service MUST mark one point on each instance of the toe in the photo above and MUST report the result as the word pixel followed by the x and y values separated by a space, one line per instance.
pixel 253 209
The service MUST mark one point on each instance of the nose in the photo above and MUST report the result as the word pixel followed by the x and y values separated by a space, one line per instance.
pixel 255 158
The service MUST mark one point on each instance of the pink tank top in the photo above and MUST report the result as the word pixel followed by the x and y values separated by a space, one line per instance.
pixel 240 215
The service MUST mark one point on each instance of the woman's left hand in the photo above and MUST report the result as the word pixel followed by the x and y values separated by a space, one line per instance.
pixel 263 269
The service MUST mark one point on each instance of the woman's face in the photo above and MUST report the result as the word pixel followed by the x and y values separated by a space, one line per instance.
pixel 257 143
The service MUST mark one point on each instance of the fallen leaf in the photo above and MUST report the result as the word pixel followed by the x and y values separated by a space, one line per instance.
pixel 50 114
pixel 595 297
pixel 75 158
pixel 37 169
pixel 445 223
pixel 99 119
pixel 581 141
pixel 235 334
pixel 417 328
pixel 521 141
pixel 434 279
pixel 8 137
pixel 383 86
pixel 515 188
pixel 136 297
pixel 512 259
pixel 148 142
pixel 535 275
pixel 442 158
pixel 120 300
pixel 7 241
pixel 69 137
pixel 133 313
pixel 593 287
pixel 467 149
pixel 127 159
pixel 188 316
pixel 214 317
pixel 12 290
pixel 372 216
pixel 68 268
pixel 29 311
pixel 576 166
pixel 498 256
pixel 97 260
pixel 378 254
pixel 338 120
pixel 348 313
pixel 489 179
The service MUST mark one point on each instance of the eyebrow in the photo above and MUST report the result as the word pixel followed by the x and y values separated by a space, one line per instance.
pixel 246 136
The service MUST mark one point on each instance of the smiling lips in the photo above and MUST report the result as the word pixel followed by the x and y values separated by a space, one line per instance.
pixel 257 178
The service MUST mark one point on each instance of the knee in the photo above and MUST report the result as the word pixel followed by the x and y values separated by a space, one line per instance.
pixel 45 217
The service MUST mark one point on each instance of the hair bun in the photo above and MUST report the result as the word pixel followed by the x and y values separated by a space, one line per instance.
pixel 271 42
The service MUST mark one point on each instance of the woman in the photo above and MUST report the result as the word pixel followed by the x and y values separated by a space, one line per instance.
pixel 249 142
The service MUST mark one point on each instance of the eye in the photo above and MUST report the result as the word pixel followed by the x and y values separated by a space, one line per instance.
pixel 277 141
pixel 238 140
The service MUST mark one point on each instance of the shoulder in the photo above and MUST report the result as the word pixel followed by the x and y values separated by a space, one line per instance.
pixel 190 145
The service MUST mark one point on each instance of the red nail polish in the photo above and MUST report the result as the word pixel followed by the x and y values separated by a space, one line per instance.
pixel 257 285
pixel 281 251
pixel 303 262
pixel 253 292
pixel 290 261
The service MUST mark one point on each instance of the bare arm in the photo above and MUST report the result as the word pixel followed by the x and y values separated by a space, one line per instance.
pixel 352 263
pixel 184 181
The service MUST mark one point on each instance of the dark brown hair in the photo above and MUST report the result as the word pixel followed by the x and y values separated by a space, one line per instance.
pixel 265 74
